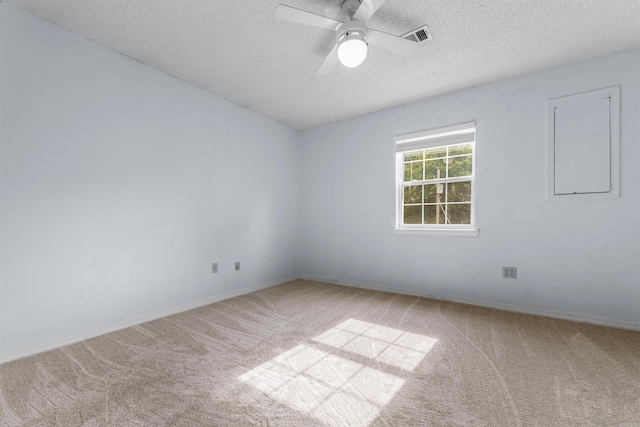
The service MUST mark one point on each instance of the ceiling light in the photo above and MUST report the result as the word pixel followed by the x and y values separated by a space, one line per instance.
pixel 352 44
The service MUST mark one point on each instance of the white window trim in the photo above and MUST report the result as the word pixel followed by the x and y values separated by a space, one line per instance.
pixel 419 140
pixel 461 231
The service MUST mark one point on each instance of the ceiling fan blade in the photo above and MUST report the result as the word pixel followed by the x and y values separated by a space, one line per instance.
pixel 329 62
pixel 367 9
pixel 292 14
pixel 394 44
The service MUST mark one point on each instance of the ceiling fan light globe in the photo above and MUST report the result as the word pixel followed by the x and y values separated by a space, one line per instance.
pixel 352 52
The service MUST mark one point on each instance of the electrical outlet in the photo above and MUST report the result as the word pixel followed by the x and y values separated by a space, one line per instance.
pixel 510 272
pixel 237 265
pixel 214 267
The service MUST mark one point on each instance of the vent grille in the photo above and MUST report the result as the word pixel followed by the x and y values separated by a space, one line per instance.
pixel 422 35
pixel 419 35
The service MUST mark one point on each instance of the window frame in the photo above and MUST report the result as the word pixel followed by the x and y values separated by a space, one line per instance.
pixel 463 133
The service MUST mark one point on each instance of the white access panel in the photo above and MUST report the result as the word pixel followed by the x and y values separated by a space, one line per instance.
pixel 583 145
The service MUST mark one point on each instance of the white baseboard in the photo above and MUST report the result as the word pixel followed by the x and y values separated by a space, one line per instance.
pixel 576 317
pixel 74 338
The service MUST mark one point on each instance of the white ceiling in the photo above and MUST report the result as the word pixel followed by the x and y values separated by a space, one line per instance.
pixel 238 50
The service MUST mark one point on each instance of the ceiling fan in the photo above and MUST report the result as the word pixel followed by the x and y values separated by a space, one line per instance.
pixel 353 37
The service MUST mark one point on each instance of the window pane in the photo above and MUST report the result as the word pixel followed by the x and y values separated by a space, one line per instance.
pixel 412 194
pixel 407 172
pixel 459 214
pixel 459 191
pixel 460 149
pixel 460 166
pixel 416 171
pixel 430 214
pixel 430 193
pixel 413 155
pixel 432 166
pixel 413 214
pixel 435 152
pixel 441 213
pixel 435 214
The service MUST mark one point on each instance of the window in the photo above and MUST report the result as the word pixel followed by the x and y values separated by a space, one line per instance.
pixel 434 176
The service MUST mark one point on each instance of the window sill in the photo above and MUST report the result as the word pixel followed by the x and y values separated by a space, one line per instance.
pixel 461 232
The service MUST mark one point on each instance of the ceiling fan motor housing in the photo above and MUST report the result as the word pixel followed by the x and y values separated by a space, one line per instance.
pixel 352 30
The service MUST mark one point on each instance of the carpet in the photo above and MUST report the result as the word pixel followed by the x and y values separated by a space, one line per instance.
pixel 314 354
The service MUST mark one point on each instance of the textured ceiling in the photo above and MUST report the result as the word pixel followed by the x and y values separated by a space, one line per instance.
pixel 238 50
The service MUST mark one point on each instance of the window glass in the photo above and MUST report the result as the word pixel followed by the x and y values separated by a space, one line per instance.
pixel 435 169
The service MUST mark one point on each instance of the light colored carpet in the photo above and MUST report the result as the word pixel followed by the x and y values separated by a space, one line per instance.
pixel 314 354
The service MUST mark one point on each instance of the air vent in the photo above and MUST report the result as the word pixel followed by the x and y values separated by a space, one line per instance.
pixel 418 35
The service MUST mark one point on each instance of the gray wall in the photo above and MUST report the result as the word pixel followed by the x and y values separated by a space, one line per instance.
pixel 121 185
pixel 573 256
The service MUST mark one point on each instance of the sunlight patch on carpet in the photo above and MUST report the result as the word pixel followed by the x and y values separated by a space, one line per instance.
pixel 334 389
pixel 404 350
